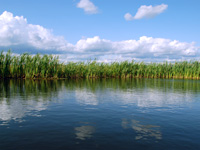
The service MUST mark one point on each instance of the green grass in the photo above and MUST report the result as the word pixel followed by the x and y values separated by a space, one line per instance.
pixel 48 66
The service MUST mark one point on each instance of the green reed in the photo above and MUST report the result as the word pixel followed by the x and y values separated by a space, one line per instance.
pixel 48 66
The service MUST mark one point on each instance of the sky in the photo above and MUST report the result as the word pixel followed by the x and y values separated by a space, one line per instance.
pixel 106 30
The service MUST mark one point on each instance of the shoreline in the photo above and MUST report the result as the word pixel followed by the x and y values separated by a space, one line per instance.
pixel 39 66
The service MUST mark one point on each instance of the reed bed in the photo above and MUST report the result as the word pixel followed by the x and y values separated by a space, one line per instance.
pixel 48 66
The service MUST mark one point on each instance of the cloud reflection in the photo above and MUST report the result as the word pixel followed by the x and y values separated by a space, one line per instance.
pixel 141 98
pixel 151 98
pixel 85 97
pixel 144 131
pixel 17 108
pixel 84 132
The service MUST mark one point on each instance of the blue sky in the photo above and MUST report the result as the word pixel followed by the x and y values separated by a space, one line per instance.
pixel 103 33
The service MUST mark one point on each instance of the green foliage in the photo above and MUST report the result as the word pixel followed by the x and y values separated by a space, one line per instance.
pixel 48 66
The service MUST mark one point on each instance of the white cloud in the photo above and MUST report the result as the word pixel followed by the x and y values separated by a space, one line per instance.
pixel 17 34
pixel 15 31
pixel 147 12
pixel 128 17
pixel 87 6
pixel 145 47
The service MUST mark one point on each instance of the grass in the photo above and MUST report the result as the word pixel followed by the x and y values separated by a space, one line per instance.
pixel 48 66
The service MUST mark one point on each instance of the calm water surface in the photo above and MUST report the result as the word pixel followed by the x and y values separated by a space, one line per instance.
pixel 100 114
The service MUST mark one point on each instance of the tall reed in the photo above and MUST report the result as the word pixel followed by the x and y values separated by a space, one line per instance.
pixel 48 66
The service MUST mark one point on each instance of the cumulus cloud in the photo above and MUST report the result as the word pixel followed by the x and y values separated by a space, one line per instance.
pixel 145 47
pixel 147 12
pixel 87 6
pixel 128 17
pixel 17 34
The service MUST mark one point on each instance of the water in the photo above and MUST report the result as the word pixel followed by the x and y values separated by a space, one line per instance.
pixel 100 114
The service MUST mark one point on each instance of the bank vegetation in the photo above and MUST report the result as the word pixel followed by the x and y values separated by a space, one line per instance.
pixel 48 66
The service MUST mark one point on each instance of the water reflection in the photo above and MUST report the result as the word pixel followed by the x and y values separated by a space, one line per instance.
pixel 84 132
pixel 144 131
pixel 19 98
pixel 48 113
pixel 17 109
pixel 86 97
pixel 163 85
pixel 151 98
pixel 141 92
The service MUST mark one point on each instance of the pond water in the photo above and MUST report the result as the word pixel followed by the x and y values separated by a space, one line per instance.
pixel 100 114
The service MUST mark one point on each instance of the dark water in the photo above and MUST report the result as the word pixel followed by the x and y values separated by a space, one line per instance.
pixel 100 114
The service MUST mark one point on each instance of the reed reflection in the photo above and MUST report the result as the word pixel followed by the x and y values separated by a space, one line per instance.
pixel 25 97
pixel 164 85
pixel 19 98
pixel 140 92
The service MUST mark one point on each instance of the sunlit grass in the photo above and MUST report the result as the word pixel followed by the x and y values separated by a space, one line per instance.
pixel 48 66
